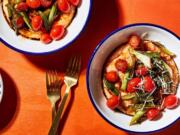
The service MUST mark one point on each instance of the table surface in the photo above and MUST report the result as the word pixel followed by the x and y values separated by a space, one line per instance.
pixel 25 108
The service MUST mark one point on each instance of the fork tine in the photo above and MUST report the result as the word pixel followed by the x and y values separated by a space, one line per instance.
pixel 47 80
pixel 70 66
pixel 78 67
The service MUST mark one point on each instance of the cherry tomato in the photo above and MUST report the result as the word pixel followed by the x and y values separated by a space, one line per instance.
pixel 74 2
pixel 112 76
pixel 64 6
pixel 152 113
pixel 36 22
pixel 121 65
pixel 132 84
pixel 171 101
pixel 33 3
pixel 134 41
pixel 22 6
pixel 141 71
pixel 113 102
pixel 57 32
pixel 46 38
pixel 19 22
pixel 46 3
pixel 149 84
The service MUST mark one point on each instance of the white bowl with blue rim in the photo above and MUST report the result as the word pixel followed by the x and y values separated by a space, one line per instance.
pixel 1 88
pixel 28 46
pixel 94 76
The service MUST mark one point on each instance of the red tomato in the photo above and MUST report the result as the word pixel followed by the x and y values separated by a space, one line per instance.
pixel 57 32
pixel 121 65
pixel 74 2
pixel 152 113
pixel 171 101
pixel 22 6
pixel 134 41
pixel 46 3
pixel 19 22
pixel 36 22
pixel 112 76
pixel 132 84
pixel 64 6
pixel 46 38
pixel 149 84
pixel 113 102
pixel 142 71
pixel 33 3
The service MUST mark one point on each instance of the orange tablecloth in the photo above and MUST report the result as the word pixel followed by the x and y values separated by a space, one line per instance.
pixel 25 109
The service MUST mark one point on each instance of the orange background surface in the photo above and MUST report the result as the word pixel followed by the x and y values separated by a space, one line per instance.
pixel 25 109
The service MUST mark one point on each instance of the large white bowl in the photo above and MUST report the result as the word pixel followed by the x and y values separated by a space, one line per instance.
pixel 1 88
pixel 94 74
pixel 24 45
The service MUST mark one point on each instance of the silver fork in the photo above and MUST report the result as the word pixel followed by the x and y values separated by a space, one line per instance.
pixel 53 85
pixel 70 79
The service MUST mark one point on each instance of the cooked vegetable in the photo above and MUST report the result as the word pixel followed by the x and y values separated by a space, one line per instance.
pixel 74 2
pixel 46 38
pixel 112 76
pixel 164 49
pixel 57 32
pixel 26 19
pixel 46 3
pixel 142 71
pixel 171 101
pixel 136 117
pixel 45 21
pixel 128 96
pixel 10 10
pixel 113 102
pixel 33 3
pixel 133 84
pixel 143 58
pixel 21 7
pixel 152 113
pixel 36 22
pixel 111 87
pixel 125 80
pixel 121 65
pixel 149 84
pixel 52 13
pixel 134 41
pixel 64 6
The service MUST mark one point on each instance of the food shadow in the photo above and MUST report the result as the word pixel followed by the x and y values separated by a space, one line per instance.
pixel 103 19
pixel 10 102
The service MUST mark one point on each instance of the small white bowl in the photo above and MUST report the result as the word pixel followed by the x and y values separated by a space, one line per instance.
pixel 94 74
pixel 1 88
pixel 28 46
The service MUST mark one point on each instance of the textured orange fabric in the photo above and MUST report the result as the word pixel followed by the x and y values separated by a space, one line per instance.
pixel 25 109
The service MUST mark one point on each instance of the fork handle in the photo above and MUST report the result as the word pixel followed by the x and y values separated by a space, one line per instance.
pixel 56 120
pixel 53 111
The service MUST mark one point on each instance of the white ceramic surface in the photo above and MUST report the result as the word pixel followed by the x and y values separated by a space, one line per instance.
pixel 8 36
pixel 94 74
pixel 1 88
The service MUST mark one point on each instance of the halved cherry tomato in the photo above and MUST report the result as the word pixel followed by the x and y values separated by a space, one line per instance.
pixel 112 76
pixel 19 22
pixel 74 2
pixel 22 6
pixel 134 41
pixel 36 22
pixel 132 84
pixel 152 113
pixel 64 6
pixel 113 102
pixel 142 71
pixel 149 84
pixel 171 101
pixel 33 3
pixel 46 3
pixel 57 32
pixel 46 38
pixel 121 65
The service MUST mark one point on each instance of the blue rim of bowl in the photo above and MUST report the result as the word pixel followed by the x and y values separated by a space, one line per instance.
pixel 61 48
pixel 89 65
pixel 1 85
